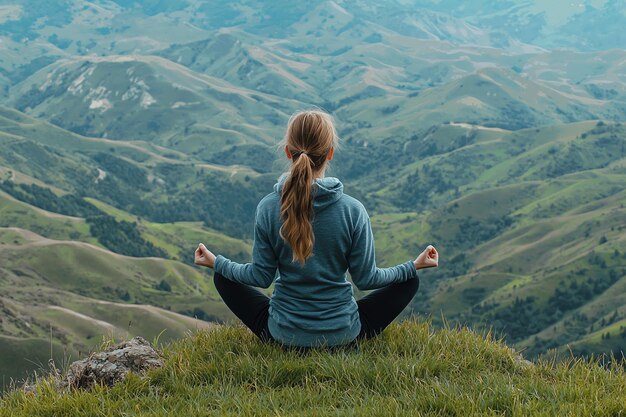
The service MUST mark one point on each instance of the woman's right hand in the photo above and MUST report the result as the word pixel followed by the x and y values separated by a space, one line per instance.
pixel 429 258
pixel 204 257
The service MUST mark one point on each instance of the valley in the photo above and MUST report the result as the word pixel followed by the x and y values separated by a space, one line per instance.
pixel 130 131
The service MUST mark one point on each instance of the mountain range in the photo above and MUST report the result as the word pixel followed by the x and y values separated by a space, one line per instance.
pixel 132 130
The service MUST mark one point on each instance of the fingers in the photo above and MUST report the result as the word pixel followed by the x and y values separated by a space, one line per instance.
pixel 201 253
pixel 432 253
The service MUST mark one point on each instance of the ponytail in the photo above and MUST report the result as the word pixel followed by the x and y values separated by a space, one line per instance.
pixel 309 139
pixel 296 208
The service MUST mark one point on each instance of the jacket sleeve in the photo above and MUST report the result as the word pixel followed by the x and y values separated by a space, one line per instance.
pixel 261 271
pixel 362 261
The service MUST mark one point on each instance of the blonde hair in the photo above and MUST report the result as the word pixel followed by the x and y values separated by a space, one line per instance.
pixel 310 137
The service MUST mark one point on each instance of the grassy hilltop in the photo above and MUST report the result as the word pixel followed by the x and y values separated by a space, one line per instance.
pixel 410 370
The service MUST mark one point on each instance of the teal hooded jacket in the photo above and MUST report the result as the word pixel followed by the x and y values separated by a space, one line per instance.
pixel 313 304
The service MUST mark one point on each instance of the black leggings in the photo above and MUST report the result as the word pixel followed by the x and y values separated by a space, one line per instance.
pixel 376 310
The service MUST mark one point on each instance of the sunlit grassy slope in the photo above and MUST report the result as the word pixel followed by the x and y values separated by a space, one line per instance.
pixel 179 238
pixel 161 184
pixel 150 98
pixel 411 370
pixel 59 284
pixel 60 297
pixel 532 227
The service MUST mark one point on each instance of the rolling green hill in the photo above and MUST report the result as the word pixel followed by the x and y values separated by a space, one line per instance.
pixel 64 296
pixel 132 130
pixel 75 291
pixel 534 241
pixel 149 98
pixel 71 275
pixel 245 60
pixel 70 294
pixel 148 180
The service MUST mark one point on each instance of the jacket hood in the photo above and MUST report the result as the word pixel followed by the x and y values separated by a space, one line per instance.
pixel 326 190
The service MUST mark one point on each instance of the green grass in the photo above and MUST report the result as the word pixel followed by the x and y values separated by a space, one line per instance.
pixel 410 370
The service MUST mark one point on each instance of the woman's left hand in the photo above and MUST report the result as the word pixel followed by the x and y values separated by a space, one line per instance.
pixel 204 257
pixel 429 258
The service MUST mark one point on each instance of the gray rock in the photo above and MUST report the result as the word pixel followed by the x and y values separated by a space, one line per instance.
pixel 112 365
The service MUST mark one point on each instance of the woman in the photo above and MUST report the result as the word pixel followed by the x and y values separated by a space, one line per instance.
pixel 311 233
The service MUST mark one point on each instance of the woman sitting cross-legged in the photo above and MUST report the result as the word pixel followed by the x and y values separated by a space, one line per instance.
pixel 311 233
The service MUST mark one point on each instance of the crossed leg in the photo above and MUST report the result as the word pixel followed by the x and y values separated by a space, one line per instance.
pixel 248 303
pixel 376 310
pixel 380 307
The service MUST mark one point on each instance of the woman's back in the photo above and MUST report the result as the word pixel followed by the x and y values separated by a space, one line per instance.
pixel 313 303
